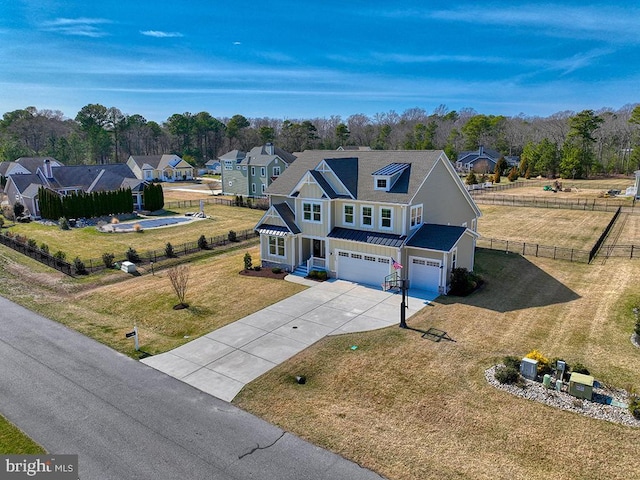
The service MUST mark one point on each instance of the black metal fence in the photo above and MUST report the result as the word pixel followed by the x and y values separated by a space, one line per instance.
pixel 93 265
pixel 258 203
pixel 603 235
pixel 594 204
pixel 535 249
pixel 17 244
pixel 497 187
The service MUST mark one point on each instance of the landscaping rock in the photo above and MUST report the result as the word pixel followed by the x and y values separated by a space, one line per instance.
pixel 536 391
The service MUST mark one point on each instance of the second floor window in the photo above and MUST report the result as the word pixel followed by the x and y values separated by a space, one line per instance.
pixel 276 171
pixel 312 212
pixel 367 216
pixel 262 171
pixel 348 214
pixel 416 216
pixel 385 218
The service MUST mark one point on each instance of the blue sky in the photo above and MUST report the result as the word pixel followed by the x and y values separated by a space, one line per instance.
pixel 297 59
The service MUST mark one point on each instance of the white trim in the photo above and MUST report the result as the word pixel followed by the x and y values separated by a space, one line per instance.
pixel 312 212
pixel 277 246
pixel 353 214
pixel 380 219
pixel 373 216
pixel 415 208
pixel 323 167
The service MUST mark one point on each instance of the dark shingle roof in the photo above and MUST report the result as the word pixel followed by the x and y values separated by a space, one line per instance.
pixel 436 237
pixel 328 189
pixel 109 177
pixel 287 216
pixel 355 170
pixel 33 163
pixel 374 238
pixel 152 160
pixel 23 181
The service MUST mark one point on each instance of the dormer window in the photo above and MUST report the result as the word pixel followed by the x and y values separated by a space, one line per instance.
pixel 386 177
pixel 381 183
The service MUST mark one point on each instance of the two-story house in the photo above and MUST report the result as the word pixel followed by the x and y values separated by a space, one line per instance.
pixel 355 214
pixel 249 174
pixel 483 160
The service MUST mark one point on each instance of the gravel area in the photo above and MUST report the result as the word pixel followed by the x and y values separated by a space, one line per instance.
pixel 537 392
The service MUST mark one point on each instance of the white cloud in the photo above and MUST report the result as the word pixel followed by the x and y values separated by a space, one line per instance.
pixel 161 34
pixel 84 27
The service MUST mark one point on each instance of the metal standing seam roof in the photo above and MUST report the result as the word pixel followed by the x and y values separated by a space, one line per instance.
pixel 373 238
pixel 436 237
pixel 272 230
pixel 391 169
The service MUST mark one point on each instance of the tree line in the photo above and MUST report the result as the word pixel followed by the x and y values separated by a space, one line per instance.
pixel 566 143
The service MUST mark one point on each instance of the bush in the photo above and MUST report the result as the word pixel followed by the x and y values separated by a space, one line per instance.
pixel 471 179
pixel 60 256
pixel 32 243
pixel 63 223
pixel 634 406
pixel 1 222
pixel 108 260
pixel 132 255
pixel 512 362
pixel 257 268
pixel 544 365
pixel 276 270
pixel 637 329
pixel 513 174
pixel 232 236
pixel 248 262
pixel 318 275
pixel 79 266
pixel 202 243
pixel 44 248
pixel 580 368
pixel 169 251
pixel 138 228
pixel 508 375
pixel 463 282
pixel 18 210
pixel 7 212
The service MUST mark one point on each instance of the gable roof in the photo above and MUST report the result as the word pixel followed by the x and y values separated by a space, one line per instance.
pixel 11 168
pixel 436 237
pixel 261 156
pixel 471 156
pixel 91 177
pixel 22 182
pixel 236 155
pixel 33 163
pixel 286 215
pixel 151 160
pixel 355 171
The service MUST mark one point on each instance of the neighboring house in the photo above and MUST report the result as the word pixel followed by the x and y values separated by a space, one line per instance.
pixel 213 166
pixel 249 174
pixel 165 168
pixel 65 180
pixel 353 213
pixel 353 148
pixel 483 160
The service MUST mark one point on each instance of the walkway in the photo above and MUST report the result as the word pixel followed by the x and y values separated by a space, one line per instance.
pixel 222 362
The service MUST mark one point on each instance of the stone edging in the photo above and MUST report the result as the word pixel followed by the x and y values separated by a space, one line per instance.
pixel 635 339
pixel 539 393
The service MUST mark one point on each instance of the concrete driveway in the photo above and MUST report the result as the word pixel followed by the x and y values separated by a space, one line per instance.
pixel 225 360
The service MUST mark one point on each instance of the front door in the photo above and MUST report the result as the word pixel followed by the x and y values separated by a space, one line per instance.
pixel 318 248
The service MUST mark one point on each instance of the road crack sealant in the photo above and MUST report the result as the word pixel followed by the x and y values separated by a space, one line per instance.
pixel 258 447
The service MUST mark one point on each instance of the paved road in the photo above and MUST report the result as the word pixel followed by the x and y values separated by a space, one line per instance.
pixel 126 420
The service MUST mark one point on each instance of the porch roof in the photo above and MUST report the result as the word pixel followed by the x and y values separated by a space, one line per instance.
pixel 375 238
pixel 272 230
pixel 436 237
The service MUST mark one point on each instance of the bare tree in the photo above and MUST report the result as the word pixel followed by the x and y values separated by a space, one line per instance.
pixel 179 278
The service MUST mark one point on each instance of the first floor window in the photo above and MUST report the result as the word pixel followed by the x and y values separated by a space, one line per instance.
pixel 276 246
pixel 253 188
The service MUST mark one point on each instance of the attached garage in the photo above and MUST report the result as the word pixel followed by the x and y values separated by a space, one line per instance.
pixel 362 268
pixel 424 274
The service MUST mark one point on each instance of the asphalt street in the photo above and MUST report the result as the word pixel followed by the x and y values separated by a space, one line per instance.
pixel 126 420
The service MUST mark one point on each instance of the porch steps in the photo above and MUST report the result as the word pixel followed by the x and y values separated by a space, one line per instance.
pixel 301 271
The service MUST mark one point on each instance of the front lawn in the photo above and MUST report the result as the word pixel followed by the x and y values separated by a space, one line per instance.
pixel 14 442
pixel 413 409
pixel 88 243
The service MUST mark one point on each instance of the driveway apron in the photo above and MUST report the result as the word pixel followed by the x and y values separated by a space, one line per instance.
pixel 222 362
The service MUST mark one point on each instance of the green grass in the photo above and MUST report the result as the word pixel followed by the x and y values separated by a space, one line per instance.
pixel 89 243
pixel 14 442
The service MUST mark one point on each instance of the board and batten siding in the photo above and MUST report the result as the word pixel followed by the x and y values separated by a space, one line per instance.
pixel 363 248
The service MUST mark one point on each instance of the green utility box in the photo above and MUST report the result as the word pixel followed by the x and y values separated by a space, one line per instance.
pixel 581 386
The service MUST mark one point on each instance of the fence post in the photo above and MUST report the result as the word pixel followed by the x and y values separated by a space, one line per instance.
pixel 537 245
pixel 631 256
pixel 554 252
pixel 524 245
pixel 571 255
pixel 507 246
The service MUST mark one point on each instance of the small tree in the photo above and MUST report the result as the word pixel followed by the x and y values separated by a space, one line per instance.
pixel 63 223
pixel 471 179
pixel 44 248
pixel 18 210
pixel 179 278
pixel 108 260
pixel 232 236
pixel 202 243
pixel 248 262
pixel 168 250
pixel 79 266
pixel 513 174
pixel 132 255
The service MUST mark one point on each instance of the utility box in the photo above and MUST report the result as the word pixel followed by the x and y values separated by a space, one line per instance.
pixel 581 386
pixel 128 267
pixel 529 368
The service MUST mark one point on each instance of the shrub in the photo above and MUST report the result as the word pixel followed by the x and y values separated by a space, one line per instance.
pixel 463 282
pixel 63 223
pixel 168 250
pixel 108 260
pixel 318 275
pixel 202 243
pixel 138 228
pixel 44 248
pixel 544 365
pixel 634 406
pixel 1 222
pixel 276 270
pixel 248 262
pixel 513 174
pixel 7 212
pixel 232 236
pixel 79 266
pixel 508 375
pixel 18 209
pixel 132 255
pixel 496 177
pixel 512 362
pixel 580 368
pixel 257 268
pixel 32 243
pixel 471 179
pixel 60 255
pixel 637 329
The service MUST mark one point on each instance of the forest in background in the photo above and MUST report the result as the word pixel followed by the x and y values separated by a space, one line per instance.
pixel 577 144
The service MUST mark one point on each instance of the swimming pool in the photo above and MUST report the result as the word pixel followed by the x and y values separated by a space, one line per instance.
pixel 148 223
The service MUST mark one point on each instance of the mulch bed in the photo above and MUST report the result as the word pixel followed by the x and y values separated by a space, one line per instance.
pixel 264 273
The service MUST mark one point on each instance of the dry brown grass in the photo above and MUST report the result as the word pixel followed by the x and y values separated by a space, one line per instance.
pixel 412 409
pixel 564 228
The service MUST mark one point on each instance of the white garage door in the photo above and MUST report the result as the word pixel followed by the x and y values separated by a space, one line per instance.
pixel 424 274
pixel 360 268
